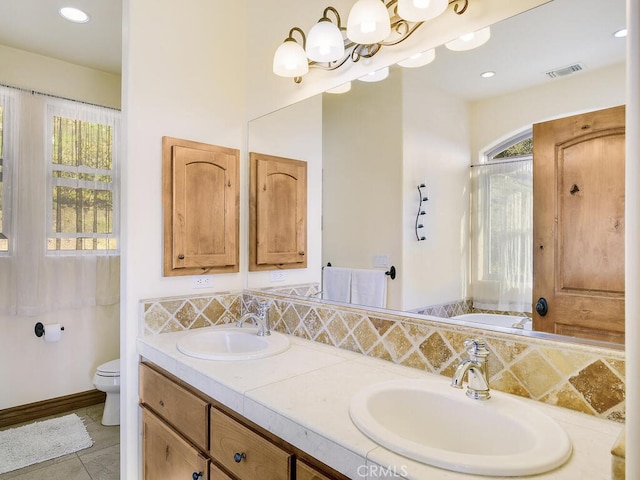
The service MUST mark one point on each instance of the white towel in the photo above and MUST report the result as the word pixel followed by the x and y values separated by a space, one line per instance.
pixel 369 287
pixel 336 284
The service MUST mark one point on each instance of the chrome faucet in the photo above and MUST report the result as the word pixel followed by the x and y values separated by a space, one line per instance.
pixel 475 368
pixel 521 323
pixel 261 319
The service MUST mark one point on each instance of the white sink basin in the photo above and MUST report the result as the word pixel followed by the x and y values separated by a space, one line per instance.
pixel 428 421
pixel 232 343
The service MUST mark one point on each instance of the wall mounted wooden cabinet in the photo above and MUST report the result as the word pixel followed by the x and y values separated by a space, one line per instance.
pixel 200 197
pixel 277 213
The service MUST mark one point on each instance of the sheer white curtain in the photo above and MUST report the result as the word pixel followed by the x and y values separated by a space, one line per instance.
pixel 39 280
pixel 502 236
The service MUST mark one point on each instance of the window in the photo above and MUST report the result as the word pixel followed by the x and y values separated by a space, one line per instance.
pixel 7 154
pixel 4 242
pixel 59 204
pixel 81 214
pixel 502 210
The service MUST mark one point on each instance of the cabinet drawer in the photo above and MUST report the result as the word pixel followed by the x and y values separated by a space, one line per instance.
pixel 307 472
pixel 245 453
pixel 217 474
pixel 182 409
pixel 166 454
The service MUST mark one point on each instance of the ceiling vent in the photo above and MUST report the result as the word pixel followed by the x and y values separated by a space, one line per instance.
pixel 564 71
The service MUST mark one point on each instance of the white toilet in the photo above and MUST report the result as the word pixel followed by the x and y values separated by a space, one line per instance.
pixel 107 379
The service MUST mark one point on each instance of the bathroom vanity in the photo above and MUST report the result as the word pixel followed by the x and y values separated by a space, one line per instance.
pixel 290 412
pixel 186 434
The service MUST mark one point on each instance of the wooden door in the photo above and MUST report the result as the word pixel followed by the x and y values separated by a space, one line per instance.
pixel 201 203
pixel 166 454
pixel 278 223
pixel 578 227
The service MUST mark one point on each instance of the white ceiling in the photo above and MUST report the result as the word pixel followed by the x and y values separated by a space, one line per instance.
pixel 35 26
pixel 523 48
pixel 520 51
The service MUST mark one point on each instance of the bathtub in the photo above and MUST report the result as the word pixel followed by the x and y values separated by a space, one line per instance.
pixel 493 319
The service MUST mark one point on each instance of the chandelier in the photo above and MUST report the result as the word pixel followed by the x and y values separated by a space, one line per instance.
pixel 371 25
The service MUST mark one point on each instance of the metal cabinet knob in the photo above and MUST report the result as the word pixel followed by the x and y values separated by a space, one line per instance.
pixel 238 457
pixel 542 307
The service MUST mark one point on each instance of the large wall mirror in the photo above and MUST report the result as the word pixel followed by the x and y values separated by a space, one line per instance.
pixel 371 148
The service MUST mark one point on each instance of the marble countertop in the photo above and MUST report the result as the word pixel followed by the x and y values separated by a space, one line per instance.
pixel 303 395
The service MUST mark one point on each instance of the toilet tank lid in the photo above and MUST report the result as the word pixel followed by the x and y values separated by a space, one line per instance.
pixel 110 367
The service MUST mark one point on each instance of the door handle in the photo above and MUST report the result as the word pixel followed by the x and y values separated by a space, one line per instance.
pixel 542 307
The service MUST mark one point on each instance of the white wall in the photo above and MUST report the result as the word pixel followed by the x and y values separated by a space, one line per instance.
pixel 362 176
pixel 436 152
pixel 183 76
pixel 30 369
pixel 47 75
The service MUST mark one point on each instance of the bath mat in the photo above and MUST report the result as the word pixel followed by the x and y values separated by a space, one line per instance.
pixel 40 441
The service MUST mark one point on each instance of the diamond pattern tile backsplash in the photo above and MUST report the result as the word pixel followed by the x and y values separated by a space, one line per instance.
pixel 585 378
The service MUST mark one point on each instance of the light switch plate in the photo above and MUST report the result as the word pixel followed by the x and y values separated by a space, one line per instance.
pixel 381 261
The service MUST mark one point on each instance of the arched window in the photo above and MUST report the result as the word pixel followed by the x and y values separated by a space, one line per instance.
pixel 502 226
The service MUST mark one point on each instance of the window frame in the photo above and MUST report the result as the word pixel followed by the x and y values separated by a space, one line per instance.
pixel 8 156
pixel 58 109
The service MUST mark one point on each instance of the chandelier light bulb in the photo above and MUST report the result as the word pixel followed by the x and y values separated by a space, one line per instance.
pixel 470 40
pixel 344 88
pixel 290 60
pixel 376 76
pixel 421 10
pixel 325 42
pixel 419 59
pixel 368 22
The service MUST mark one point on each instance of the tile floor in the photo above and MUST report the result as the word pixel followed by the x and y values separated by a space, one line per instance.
pixel 99 462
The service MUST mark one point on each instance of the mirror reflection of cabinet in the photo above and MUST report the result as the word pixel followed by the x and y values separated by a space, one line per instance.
pixel 277 213
pixel 200 191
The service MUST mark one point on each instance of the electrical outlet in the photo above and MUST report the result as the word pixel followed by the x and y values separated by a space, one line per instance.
pixel 202 282
pixel 277 276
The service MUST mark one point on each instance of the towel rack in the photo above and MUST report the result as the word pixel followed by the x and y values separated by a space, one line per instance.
pixel 423 198
pixel 391 272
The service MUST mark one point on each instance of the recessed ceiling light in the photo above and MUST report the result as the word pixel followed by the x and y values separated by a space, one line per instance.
pixel 74 15
pixel 620 33
pixel 487 74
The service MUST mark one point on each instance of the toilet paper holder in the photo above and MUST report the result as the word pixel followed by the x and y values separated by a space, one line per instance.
pixel 39 329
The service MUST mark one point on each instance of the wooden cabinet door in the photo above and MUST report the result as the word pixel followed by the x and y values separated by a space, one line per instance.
pixel 278 211
pixel 578 228
pixel 182 409
pixel 201 203
pixel 166 454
